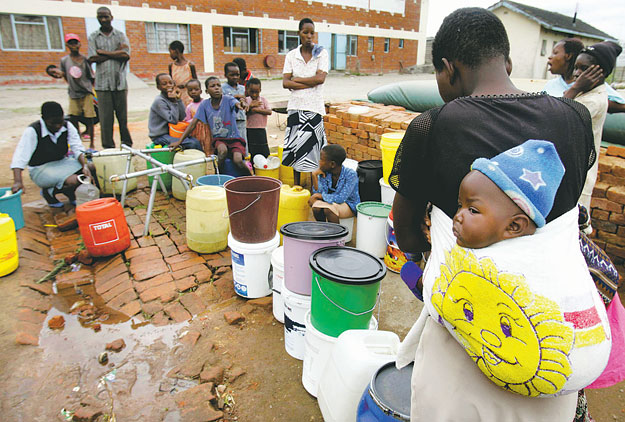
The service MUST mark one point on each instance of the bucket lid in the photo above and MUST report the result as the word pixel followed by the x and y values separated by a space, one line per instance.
pixel 313 230
pixel 370 164
pixel 391 387
pixel 347 265
pixel 374 209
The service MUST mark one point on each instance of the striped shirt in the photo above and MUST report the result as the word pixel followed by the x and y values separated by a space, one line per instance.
pixel 110 75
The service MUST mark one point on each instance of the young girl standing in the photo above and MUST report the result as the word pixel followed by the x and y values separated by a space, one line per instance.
pixel 181 70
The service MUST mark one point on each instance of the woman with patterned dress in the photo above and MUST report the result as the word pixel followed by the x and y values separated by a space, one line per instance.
pixel 305 70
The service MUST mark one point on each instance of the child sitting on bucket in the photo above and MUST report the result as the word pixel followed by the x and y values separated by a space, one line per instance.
pixel 507 196
pixel 335 187
pixel 219 113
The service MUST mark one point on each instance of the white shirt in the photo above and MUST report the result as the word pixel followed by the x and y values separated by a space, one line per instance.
pixel 596 101
pixel 27 145
pixel 309 99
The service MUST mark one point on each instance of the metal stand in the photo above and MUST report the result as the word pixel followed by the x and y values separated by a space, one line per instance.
pixel 158 169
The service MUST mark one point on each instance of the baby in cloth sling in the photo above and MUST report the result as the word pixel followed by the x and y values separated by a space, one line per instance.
pixel 514 291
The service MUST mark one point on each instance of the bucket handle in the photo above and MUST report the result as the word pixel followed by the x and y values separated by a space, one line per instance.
pixel 84 179
pixel 377 300
pixel 270 277
pixel 244 209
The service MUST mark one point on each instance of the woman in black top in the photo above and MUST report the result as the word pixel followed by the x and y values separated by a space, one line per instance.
pixel 484 115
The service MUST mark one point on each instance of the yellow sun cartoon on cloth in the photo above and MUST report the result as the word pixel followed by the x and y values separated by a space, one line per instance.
pixel 518 339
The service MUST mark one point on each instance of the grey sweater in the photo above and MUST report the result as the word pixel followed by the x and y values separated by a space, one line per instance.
pixel 162 112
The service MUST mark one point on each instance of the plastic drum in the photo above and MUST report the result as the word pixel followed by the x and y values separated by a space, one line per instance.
pixel 387 398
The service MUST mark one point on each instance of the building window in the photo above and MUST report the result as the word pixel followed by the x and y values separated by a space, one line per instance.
pixel 241 40
pixel 543 49
pixel 352 45
pixel 287 41
pixel 160 35
pixel 387 45
pixel 370 45
pixel 401 43
pixel 30 32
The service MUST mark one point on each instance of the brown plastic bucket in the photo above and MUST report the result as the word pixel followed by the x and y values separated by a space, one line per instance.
pixel 253 203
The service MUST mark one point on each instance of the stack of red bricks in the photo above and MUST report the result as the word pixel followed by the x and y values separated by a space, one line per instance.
pixel 359 131
pixel 608 200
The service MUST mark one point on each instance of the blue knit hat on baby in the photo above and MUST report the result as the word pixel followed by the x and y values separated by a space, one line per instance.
pixel 529 174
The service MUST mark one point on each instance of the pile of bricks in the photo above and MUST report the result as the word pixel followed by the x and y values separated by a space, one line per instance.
pixel 360 132
pixel 608 200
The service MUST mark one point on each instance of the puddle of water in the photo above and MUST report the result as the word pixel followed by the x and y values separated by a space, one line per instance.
pixel 141 367
pixel 77 343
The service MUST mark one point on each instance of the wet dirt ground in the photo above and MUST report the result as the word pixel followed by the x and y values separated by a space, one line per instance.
pixel 142 382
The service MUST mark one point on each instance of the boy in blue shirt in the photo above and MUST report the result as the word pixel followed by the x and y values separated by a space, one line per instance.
pixel 335 187
pixel 234 88
pixel 220 115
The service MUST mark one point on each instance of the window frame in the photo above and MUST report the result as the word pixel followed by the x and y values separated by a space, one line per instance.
pixel 387 45
pixel 370 44
pixel 258 40
pixel 187 47
pixel 543 48
pixel 401 43
pixel 286 35
pixel 350 52
pixel 47 31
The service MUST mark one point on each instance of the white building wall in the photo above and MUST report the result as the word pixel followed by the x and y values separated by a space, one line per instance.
pixel 524 36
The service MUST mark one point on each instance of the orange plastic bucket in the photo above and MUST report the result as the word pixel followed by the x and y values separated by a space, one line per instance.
pixel 176 130
pixel 103 226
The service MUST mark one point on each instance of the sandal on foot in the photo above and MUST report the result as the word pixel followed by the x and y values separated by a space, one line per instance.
pixel 51 199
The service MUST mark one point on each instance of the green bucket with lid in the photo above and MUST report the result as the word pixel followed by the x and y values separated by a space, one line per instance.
pixel 165 157
pixel 345 289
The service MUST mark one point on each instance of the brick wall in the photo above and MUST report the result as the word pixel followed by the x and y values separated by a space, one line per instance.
pixel 608 199
pixel 147 65
pixel 35 62
pixel 360 134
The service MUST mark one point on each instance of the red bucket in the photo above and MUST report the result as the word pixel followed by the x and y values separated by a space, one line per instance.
pixel 103 226
pixel 253 203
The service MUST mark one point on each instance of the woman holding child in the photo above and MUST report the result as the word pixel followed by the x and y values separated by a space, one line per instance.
pixel 485 115
pixel 305 70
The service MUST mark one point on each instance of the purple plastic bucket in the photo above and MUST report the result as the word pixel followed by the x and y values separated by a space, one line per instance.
pixel 301 239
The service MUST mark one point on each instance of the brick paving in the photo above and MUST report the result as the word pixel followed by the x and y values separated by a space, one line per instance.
pixel 157 278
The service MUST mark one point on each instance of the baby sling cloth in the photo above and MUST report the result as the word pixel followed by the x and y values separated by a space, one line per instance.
pixel 525 310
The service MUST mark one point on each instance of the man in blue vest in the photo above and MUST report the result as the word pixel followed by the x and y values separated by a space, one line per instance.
pixel 43 149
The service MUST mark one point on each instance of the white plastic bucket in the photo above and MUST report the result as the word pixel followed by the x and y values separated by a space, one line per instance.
pixel 371 229
pixel 295 309
pixel 348 223
pixel 250 266
pixel 318 349
pixel 388 193
pixel 355 357
pixel 277 264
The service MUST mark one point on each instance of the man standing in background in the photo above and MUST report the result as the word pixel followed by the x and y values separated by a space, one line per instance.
pixel 109 48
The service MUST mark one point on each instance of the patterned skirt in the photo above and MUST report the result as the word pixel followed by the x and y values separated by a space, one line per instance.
pixel 303 140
